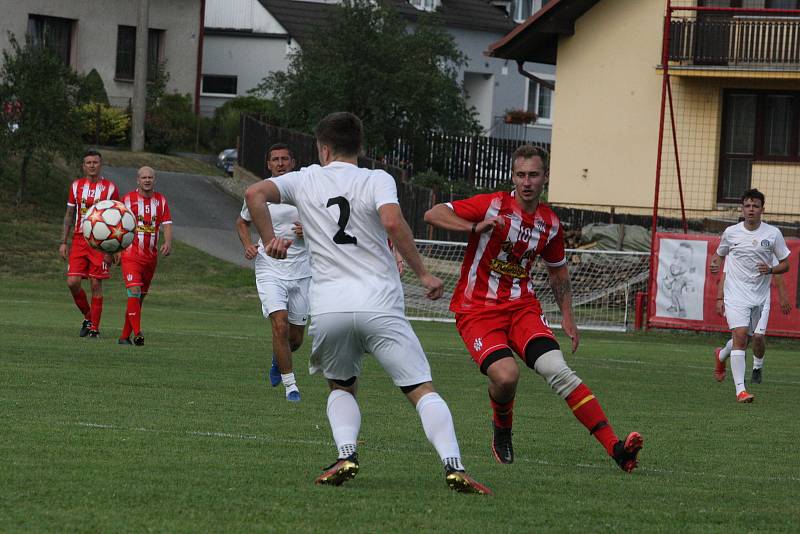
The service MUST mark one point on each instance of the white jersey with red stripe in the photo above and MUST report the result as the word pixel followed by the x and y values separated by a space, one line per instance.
pixel 83 193
pixel 150 214
pixel 497 264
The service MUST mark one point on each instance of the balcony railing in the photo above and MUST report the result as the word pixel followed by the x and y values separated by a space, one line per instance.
pixel 736 42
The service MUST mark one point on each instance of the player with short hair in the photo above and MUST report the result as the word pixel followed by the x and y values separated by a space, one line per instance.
pixel 84 261
pixel 282 284
pixel 140 259
pixel 751 249
pixel 356 296
pixel 498 313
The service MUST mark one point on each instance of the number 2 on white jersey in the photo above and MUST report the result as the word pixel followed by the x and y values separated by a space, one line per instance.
pixel 341 237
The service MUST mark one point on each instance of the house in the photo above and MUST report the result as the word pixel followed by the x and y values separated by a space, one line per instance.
pixel 89 36
pixel 728 79
pixel 247 39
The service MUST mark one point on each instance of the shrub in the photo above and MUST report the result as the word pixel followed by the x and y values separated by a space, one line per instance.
pixel 92 89
pixel 170 124
pixel 225 124
pixel 103 124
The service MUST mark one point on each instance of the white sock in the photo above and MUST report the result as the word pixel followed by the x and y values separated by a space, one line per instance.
pixel 737 369
pixel 345 420
pixel 725 351
pixel 438 424
pixel 758 363
pixel 288 380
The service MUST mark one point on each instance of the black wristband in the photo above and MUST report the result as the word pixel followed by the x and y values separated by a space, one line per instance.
pixel 474 226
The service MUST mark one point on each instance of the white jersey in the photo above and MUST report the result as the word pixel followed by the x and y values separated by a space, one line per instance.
pixel 743 251
pixel 296 265
pixel 352 268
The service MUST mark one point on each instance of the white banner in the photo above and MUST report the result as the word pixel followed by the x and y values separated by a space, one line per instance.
pixel 681 279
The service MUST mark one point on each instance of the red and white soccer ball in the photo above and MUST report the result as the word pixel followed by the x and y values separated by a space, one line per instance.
pixel 109 226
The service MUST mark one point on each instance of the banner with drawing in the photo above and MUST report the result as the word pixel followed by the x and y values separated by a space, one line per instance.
pixel 683 293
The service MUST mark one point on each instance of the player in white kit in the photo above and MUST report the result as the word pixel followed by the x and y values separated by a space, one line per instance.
pixel 749 249
pixel 356 296
pixel 282 284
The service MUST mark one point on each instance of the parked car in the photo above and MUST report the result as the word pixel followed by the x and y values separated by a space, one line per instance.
pixel 227 159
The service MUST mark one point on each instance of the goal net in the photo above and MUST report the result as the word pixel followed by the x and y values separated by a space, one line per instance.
pixel 604 285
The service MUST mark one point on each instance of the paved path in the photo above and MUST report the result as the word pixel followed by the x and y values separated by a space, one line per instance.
pixel 204 215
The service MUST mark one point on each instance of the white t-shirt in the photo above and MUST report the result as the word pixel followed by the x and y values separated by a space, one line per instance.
pixel 296 265
pixel 743 251
pixel 352 268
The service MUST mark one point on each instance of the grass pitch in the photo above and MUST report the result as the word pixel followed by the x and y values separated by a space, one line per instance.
pixel 184 434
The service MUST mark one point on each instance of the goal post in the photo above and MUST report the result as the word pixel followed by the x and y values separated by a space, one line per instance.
pixel 604 285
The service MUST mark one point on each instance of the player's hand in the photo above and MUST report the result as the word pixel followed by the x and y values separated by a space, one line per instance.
pixel 278 247
pixel 713 267
pixel 763 268
pixel 166 249
pixel 569 328
pixel 63 249
pixel 401 266
pixel 490 224
pixel 250 252
pixel 298 229
pixel 434 287
pixel 111 259
pixel 721 308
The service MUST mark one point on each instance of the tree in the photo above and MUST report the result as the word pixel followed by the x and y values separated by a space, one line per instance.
pixel 43 91
pixel 401 81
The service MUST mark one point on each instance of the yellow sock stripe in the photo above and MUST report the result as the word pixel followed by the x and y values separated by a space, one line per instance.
pixel 582 402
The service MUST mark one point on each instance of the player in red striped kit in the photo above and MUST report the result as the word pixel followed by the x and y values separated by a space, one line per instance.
pixel 140 259
pixel 498 314
pixel 83 260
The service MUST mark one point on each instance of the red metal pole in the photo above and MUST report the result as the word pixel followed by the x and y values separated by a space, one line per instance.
pixel 677 156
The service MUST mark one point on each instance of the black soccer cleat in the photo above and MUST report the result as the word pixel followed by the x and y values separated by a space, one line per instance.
pixel 124 341
pixel 755 378
pixel 138 339
pixel 626 453
pixel 340 471
pixel 86 327
pixel 94 334
pixel 502 448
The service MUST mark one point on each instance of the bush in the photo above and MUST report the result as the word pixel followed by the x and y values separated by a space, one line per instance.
pixel 170 124
pixel 440 184
pixel 111 128
pixel 92 89
pixel 225 124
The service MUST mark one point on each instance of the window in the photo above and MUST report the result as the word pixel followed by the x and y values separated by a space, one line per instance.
pixel 756 126
pixel 219 85
pixel 540 100
pixel 126 51
pixel 522 9
pixel 52 33
pixel 425 5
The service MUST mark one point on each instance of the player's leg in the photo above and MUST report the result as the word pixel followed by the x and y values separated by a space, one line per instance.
pixel 297 305
pixel 77 270
pixel 739 321
pixel 274 297
pixel 486 337
pixel 721 355
pixel 98 271
pixel 336 352
pixel 282 352
pixel 759 345
pixel 147 270
pixel 396 347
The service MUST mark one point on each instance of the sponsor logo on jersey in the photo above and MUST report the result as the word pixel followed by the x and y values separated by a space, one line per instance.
pixel 130 277
pixel 540 225
pixel 477 344
pixel 511 269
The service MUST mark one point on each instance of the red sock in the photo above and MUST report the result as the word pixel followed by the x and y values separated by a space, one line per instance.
pixel 587 410
pixel 134 315
pixel 82 303
pixel 502 414
pixel 97 311
pixel 126 328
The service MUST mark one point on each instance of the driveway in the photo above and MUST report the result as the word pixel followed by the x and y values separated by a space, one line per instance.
pixel 203 214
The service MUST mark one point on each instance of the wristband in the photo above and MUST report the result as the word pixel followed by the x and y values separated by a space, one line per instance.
pixel 474 226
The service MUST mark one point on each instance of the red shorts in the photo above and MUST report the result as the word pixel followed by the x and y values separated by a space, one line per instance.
pixel 491 329
pixel 85 261
pixel 138 272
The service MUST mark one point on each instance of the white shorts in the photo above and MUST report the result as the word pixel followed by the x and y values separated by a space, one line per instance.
pixel 341 339
pixel 755 318
pixel 290 295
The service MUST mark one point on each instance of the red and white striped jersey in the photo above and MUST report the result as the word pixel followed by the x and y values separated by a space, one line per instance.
pixel 83 193
pixel 497 264
pixel 150 214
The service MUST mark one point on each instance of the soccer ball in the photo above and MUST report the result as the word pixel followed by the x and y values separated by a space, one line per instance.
pixel 109 226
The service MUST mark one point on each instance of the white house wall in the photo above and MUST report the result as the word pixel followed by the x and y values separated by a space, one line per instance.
pixel 241 15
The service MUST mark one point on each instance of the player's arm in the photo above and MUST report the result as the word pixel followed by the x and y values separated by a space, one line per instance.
pixel 562 292
pixel 69 220
pixel 720 305
pixel 782 267
pixel 442 216
pixel 243 229
pixel 257 196
pixel 716 262
pixel 403 241
pixel 166 248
